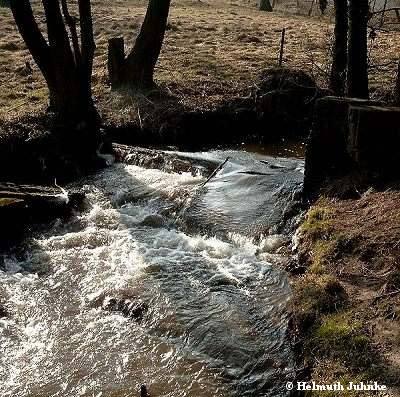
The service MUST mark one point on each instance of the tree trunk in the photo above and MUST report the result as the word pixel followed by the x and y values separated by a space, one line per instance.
pixel 357 77
pixel 66 67
pixel 116 59
pixel 397 88
pixel 70 100
pixel 339 62
pixel 140 63
pixel 137 69
pixel 323 4
pixel 265 5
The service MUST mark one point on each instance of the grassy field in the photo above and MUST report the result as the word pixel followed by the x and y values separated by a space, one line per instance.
pixel 213 50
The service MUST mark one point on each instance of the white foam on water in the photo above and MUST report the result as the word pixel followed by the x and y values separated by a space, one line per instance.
pixel 210 301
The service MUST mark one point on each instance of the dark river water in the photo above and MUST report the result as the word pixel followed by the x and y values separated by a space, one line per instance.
pixel 210 309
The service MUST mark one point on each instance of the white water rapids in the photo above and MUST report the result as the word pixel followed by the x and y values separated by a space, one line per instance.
pixel 215 318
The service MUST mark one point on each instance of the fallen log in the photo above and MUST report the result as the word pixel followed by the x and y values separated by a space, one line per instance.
pixel 168 161
pixel 12 194
pixel 22 206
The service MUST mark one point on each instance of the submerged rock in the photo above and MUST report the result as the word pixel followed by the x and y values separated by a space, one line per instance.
pixel 3 312
pixel 143 391
pixel 153 220
pixel 220 280
pixel 133 308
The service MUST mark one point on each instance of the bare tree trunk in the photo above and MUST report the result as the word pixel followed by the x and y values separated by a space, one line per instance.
pixel 66 68
pixel 397 88
pixel 357 77
pixel 116 61
pixel 141 62
pixel 88 46
pixel 323 4
pixel 265 5
pixel 137 70
pixel 339 62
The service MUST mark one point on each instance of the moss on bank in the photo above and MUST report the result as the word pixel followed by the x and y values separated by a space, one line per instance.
pixel 346 303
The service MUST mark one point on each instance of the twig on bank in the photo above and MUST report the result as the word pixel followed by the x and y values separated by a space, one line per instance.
pixel 378 29
pixel 383 65
pixel 385 10
pixel 282 47
pixel 386 295
pixel 147 99
pixel 140 119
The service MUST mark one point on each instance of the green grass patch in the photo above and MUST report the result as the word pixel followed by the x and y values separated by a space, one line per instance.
pixel 321 251
pixel 343 338
pixel 317 224
pixel 317 295
pixel 323 246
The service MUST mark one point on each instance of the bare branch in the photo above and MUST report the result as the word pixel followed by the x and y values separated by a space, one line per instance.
pixel 71 23
pixel 56 31
pixel 384 10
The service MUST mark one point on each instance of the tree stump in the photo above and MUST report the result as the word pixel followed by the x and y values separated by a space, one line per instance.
pixel 137 69
pixel 327 149
pixel 374 139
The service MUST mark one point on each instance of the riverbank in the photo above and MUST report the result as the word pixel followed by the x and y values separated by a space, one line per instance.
pixel 346 304
pixel 37 150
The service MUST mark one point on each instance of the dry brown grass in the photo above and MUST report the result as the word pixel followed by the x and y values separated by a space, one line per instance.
pixel 213 50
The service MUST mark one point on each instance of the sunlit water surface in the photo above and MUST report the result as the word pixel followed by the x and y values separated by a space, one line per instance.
pixel 216 323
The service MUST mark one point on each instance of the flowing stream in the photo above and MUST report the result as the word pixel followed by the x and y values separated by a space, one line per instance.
pixel 159 281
